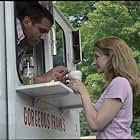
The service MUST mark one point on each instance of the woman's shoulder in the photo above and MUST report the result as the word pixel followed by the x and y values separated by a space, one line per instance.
pixel 118 88
pixel 120 81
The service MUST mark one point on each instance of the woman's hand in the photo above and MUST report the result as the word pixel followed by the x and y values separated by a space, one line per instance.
pixel 77 86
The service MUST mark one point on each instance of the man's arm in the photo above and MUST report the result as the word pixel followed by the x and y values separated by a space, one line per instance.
pixel 57 74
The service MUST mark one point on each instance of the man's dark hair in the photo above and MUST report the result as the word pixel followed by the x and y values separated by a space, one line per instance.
pixel 32 9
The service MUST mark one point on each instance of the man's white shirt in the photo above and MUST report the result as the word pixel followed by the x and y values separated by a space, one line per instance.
pixel 20 33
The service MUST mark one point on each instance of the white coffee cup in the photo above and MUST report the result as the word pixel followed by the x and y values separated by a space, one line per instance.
pixel 75 74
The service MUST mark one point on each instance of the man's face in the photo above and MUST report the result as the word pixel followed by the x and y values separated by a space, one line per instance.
pixel 36 32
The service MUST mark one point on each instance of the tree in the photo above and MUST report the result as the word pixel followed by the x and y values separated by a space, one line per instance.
pixel 76 17
pixel 97 19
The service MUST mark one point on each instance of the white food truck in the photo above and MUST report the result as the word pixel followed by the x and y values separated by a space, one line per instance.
pixel 45 110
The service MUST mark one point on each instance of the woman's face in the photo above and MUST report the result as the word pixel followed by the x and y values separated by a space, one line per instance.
pixel 101 61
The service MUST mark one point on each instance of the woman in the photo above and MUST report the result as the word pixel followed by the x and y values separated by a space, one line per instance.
pixel 112 115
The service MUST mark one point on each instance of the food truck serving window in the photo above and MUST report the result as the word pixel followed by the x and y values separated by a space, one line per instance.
pixel 59 54
pixel 32 61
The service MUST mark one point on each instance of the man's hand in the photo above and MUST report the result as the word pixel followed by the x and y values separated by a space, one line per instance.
pixel 57 74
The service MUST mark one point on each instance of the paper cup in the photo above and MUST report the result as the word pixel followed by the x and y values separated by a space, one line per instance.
pixel 75 74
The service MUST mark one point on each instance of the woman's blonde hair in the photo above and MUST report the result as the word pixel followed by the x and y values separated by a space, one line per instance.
pixel 122 64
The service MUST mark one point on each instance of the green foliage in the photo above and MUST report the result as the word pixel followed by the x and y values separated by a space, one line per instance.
pixel 136 117
pixel 85 130
pixel 94 84
pixel 97 19
pixel 76 17
pixel 136 54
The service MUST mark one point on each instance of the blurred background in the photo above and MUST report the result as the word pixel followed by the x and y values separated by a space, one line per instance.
pixel 97 19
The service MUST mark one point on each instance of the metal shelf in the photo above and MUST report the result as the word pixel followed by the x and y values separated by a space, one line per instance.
pixel 55 93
